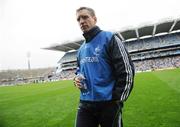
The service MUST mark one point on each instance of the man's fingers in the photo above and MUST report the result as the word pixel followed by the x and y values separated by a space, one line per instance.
pixel 77 84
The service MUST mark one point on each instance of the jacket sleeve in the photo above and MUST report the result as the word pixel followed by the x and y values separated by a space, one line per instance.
pixel 123 69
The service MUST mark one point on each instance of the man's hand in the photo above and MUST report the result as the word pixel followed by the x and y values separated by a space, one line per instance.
pixel 77 82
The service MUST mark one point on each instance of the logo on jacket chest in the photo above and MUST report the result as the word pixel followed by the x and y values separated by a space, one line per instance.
pixel 97 51
pixel 91 56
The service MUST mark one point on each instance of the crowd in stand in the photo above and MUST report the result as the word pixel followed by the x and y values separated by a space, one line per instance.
pixel 160 63
pixel 67 74
pixel 155 42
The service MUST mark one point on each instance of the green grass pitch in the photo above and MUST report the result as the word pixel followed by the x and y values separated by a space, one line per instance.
pixel 154 102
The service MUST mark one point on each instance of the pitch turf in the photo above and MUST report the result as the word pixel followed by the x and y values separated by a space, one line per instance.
pixel 154 102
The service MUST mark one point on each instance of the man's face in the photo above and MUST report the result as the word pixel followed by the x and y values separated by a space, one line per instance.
pixel 86 20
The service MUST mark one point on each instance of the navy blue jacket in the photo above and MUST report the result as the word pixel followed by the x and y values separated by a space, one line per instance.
pixel 106 66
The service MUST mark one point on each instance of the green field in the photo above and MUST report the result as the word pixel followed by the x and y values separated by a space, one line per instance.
pixel 154 102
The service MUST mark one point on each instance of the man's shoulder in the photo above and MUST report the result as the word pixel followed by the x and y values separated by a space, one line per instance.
pixel 111 34
pixel 107 34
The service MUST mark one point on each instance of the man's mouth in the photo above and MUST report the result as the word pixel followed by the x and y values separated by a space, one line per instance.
pixel 84 26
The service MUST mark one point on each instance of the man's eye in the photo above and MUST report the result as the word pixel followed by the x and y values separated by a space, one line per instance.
pixel 78 19
pixel 83 17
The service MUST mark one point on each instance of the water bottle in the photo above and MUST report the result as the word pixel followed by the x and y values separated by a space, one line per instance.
pixel 82 79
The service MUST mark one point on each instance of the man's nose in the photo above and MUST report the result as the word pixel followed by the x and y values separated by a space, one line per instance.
pixel 81 20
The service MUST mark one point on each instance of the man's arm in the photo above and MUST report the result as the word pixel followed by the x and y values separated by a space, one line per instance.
pixel 123 69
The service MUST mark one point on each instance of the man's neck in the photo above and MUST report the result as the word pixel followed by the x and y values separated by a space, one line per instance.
pixel 91 33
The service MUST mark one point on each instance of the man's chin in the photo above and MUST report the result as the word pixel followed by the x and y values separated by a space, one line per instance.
pixel 84 31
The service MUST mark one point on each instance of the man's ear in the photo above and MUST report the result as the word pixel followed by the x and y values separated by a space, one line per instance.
pixel 95 19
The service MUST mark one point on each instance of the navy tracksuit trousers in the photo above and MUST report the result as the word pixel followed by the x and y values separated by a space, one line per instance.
pixel 103 114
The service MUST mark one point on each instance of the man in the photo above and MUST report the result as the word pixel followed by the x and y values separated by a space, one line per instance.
pixel 105 74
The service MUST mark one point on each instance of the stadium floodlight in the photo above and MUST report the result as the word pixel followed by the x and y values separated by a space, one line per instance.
pixel 28 57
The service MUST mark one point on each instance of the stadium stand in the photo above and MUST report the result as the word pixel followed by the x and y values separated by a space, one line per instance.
pixel 13 77
pixel 151 47
pixel 67 66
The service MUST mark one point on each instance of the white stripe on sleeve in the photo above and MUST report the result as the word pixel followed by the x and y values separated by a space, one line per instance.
pixel 128 69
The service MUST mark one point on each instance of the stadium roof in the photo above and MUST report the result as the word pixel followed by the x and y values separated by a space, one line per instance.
pixel 164 27
pixel 65 47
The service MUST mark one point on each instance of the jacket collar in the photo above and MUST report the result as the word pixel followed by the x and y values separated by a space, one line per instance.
pixel 91 33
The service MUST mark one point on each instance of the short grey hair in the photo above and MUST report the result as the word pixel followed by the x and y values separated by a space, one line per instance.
pixel 90 10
